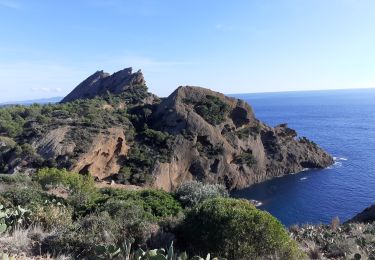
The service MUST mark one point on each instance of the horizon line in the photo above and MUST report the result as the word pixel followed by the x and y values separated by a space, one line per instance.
pixel 228 94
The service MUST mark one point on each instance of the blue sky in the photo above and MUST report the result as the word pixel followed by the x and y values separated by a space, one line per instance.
pixel 48 47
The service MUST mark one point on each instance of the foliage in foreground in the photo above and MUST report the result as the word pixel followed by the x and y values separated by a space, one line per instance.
pixel 87 222
pixel 235 229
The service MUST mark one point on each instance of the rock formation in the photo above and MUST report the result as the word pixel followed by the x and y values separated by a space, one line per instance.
pixel 366 216
pixel 131 136
pixel 231 147
pixel 101 83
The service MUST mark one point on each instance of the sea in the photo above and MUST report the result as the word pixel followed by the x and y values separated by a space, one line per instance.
pixel 343 123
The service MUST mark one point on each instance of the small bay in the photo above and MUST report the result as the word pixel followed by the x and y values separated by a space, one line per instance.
pixel 343 123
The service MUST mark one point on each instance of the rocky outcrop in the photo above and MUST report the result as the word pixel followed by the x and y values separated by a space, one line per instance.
pixel 228 146
pixel 102 160
pixel 52 144
pixel 101 83
pixel 129 134
pixel 366 216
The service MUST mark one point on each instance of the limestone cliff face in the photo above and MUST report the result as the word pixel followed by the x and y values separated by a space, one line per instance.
pixel 237 150
pixel 100 160
pixel 100 83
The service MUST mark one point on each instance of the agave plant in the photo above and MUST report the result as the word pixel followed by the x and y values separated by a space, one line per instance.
pixel 161 254
pixel 107 252
pixel 126 248
pixel 124 252
pixel 157 254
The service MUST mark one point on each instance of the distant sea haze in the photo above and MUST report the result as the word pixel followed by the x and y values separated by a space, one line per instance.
pixel 343 123
pixel 34 101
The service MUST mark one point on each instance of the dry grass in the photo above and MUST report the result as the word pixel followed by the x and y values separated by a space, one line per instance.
pixel 21 241
pixel 22 244
pixel 348 241
pixel 335 223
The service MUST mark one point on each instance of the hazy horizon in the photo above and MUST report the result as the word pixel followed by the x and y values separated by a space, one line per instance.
pixel 48 48
pixel 54 98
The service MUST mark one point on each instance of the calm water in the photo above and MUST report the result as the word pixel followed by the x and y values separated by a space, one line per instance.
pixel 343 123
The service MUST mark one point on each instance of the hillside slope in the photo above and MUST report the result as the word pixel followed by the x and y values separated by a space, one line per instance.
pixel 112 128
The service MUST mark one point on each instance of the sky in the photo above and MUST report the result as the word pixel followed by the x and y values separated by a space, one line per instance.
pixel 240 46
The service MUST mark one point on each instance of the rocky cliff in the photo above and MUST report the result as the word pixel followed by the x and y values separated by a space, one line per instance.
pixel 101 83
pixel 366 216
pixel 116 130
pixel 219 140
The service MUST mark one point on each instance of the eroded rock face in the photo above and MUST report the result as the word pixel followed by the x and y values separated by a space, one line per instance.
pixel 228 146
pixel 52 145
pixel 100 83
pixel 102 160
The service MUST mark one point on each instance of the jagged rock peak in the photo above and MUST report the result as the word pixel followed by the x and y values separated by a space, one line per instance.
pixel 101 83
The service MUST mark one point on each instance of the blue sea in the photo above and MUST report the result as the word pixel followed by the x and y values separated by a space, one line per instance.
pixel 343 123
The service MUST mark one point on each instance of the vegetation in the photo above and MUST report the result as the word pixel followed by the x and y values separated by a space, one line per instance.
pixel 138 163
pixel 52 177
pixel 205 148
pixel 245 158
pixel 27 197
pixel 60 213
pixel 192 193
pixel 347 241
pixel 21 126
pixel 76 222
pixel 55 212
pixel 235 229
pixel 149 146
pixel 211 108
pixel 248 131
pixel 75 218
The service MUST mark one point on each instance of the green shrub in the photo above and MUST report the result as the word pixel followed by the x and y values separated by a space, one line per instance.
pixel 143 155
pixel 235 229
pixel 82 238
pixel 11 123
pixel 155 136
pixel 194 192
pixel 212 109
pixel 134 222
pixel 14 178
pixel 158 203
pixel 71 180
pixel 28 197
pixel 248 131
pixel 207 149
pixel 52 215
pixel 245 158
